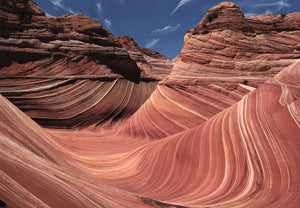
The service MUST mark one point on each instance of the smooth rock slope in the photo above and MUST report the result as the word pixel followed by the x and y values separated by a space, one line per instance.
pixel 92 120
pixel 223 58
pixel 70 69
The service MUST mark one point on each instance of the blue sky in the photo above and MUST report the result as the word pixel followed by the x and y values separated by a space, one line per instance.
pixel 157 24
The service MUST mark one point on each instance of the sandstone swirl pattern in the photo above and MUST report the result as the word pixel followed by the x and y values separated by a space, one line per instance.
pixel 92 120
pixel 223 58
pixel 244 156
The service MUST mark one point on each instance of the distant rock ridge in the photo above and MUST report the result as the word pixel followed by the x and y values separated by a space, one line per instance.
pixel 129 44
pixel 26 34
pixel 226 42
pixel 86 121
pixel 228 15
pixel 71 71
pixel 224 58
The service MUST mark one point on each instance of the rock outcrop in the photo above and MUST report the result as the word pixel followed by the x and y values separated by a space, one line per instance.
pixel 242 156
pixel 160 64
pixel 226 42
pixel 86 119
pixel 225 57
pixel 70 67
pixel 129 44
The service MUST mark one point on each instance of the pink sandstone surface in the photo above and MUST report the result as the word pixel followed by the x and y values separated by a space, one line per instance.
pixel 92 120
pixel 223 58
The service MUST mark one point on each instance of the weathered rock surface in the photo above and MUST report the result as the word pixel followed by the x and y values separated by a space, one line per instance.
pixel 240 157
pixel 219 134
pixel 70 67
pixel 225 57
pixel 159 63
pixel 225 42
pixel 129 44
pixel 250 149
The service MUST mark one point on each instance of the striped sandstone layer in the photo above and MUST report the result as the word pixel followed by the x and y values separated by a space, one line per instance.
pixel 245 156
pixel 87 121
pixel 67 71
pixel 225 57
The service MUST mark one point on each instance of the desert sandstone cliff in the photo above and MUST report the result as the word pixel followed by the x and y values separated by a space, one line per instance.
pixel 92 120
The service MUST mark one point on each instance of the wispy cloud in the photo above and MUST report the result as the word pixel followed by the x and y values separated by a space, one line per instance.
pixel 48 14
pixel 250 14
pixel 279 4
pixel 152 43
pixel 268 11
pixel 266 7
pixel 167 28
pixel 71 11
pixel 107 23
pixel 180 4
pixel 99 8
pixel 58 4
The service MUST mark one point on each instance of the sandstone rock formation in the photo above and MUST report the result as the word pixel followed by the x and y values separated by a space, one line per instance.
pixel 226 42
pixel 129 44
pixel 87 120
pixel 58 59
pixel 236 158
pixel 223 58
pixel 160 64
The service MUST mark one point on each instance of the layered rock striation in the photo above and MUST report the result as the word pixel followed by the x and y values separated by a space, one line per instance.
pixel 70 67
pixel 247 155
pixel 86 119
pixel 225 57
pixel 226 42
pixel 129 44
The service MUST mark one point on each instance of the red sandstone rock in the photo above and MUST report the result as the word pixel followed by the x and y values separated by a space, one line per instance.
pixel 226 42
pixel 159 63
pixel 129 44
pixel 223 143
pixel 70 53
pixel 232 156
pixel 67 36
pixel 223 58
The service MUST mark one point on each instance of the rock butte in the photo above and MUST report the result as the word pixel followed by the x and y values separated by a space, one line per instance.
pixel 92 120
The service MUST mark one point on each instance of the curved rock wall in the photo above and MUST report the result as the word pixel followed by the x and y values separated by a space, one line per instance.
pixel 222 130
pixel 225 42
pixel 223 58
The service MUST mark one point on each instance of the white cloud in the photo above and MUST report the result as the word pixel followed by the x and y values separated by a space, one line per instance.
pixel 250 14
pixel 268 11
pixel 167 28
pixel 152 43
pixel 271 7
pixel 71 11
pixel 58 3
pixel 278 4
pixel 180 4
pixel 99 8
pixel 107 23
pixel 48 14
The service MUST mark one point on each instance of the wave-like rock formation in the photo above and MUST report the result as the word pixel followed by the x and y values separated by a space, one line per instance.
pixel 226 42
pixel 245 156
pixel 71 67
pixel 160 64
pixel 223 58
pixel 92 120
